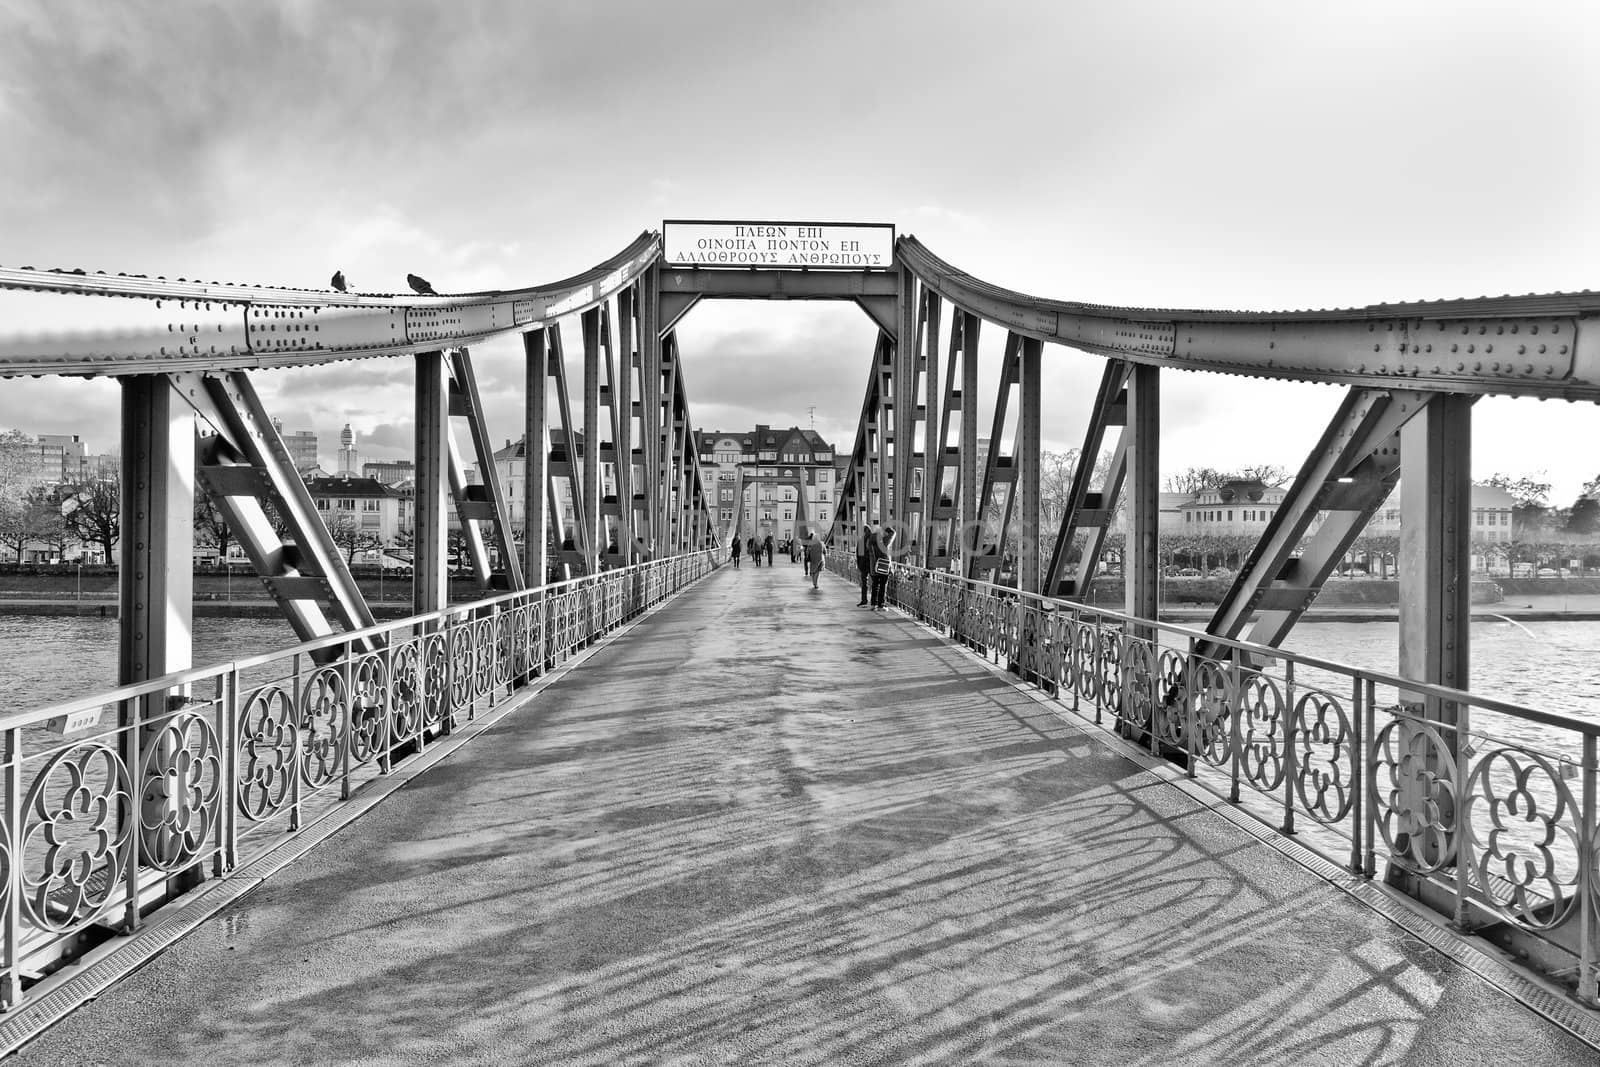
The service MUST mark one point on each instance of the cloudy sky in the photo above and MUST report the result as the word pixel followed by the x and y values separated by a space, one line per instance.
pixel 1163 154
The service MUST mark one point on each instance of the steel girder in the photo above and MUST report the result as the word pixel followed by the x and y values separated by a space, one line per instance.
pixel 240 327
pixel 572 546
pixel 481 508
pixel 1516 346
pixel 1347 476
pixel 999 471
pixel 1091 510
pixel 243 466
pixel 430 581
pixel 535 457
pixel 155 576
pixel 928 415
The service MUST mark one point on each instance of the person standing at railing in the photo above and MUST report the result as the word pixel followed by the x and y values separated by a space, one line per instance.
pixel 863 564
pixel 878 563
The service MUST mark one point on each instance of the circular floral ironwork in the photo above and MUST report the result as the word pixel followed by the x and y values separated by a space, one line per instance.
pixel 483 648
pixel 1084 640
pixel 1213 711
pixel 462 662
pixel 1326 763
pixel 1171 707
pixel 1417 798
pixel 505 648
pixel 1110 669
pixel 268 737
pixel 1263 756
pixel 182 784
pixel 324 711
pixel 76 836
pixel 369 715
pixel 1523 824
pixel 406 697
pixel 435 679
pixel 1139 675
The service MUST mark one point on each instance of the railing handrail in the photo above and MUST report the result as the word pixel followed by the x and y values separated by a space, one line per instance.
pixel 190 675
pixel 1548 718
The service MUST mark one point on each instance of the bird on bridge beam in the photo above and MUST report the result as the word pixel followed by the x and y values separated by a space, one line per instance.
pixel 420 285
pixel 339 283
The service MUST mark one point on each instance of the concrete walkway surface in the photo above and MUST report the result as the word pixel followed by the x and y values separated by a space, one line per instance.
pixel 765 826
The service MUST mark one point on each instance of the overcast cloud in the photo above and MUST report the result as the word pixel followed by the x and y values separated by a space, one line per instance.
pixel 1159 154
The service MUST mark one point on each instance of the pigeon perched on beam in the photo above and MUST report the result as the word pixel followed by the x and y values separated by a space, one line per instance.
pixel 420 285
pixel 338 281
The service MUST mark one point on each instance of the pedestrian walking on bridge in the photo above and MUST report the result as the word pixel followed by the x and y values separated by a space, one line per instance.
pixel 863 564
pixel 767 547
pixel 811 549
pixel 736 544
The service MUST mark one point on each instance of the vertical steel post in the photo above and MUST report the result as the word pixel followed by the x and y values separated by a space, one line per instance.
pixel 11 950
pixel 594 523
pixel 535 459
pixel 968 488
pixel 1587 889
pixel 650 406
pixel 1026 492
pixel 1141 555
pixel 430 578
pixel 905 403
pixel 932 427
pixel 622 407
pixel 156 551
pixel 1435 569
pixel 155 580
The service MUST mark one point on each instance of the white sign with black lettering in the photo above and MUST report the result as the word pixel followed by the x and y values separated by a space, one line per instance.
pixel 829 245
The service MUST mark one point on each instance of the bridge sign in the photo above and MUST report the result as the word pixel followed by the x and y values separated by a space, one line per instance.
pixel 826 245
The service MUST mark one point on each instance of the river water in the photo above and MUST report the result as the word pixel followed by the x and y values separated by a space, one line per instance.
pixel 1549 665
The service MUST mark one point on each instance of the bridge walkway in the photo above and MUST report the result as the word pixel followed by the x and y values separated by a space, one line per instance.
pixel 766 826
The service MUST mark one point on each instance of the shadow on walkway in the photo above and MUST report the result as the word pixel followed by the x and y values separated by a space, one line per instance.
pixel 765 826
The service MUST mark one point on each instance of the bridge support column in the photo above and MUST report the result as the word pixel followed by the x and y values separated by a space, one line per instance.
pixel 155 578
pixel 1435 608
pixel 1141 560
pixel 430 576
pixel 1029 540
pixel 535 459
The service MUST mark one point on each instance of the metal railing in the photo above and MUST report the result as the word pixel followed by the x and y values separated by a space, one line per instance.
pixel 197 772
pixel 1486 809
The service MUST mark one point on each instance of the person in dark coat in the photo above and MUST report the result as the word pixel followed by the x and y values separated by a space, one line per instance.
pixel 736 544
pixel 767 546
pixel 878 549
pixel 811 550
pixel 755 553
pixel 863 565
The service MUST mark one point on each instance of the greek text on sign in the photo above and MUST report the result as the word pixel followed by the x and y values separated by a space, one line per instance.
pixel 779 244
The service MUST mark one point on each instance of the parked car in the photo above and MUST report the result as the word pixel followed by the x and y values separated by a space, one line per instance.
pixel 1188 572
pixel 1549 572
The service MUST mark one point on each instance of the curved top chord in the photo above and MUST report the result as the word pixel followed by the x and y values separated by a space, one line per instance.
pixel 281 327
pixel 1535 345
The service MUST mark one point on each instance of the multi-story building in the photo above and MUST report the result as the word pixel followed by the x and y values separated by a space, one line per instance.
pixel 769 481
pixel 390 471
pixel 361 505
pixel 302 446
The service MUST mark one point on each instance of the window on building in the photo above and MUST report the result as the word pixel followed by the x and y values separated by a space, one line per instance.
pixel 322 503
pixel 823 477
pixel 347 504
pixel 369 505
pixel 1230 514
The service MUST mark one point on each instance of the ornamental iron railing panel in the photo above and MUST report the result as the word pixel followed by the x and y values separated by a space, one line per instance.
pixel 174 786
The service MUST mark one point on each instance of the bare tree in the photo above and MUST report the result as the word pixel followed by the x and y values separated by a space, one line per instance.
pixel 350 538
pixel 93 511
pixel 27 516
pixel 210 524
pixel 1195 480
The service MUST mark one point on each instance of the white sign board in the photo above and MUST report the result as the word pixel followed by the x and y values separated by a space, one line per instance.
pixel 828 245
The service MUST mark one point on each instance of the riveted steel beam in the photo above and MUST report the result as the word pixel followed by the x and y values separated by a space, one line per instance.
pixel 1141 558
pixel 928 414
pixel 565 450
pixel 622 416
pixel 481 509
pixel 1528 346
pixel 741 284
pixel 535 457
pixel 1344 480
pixel 1090 509
pixel 298 544
pixel 999 473
pixel 173 325
pixel 430 575
pixel 155 573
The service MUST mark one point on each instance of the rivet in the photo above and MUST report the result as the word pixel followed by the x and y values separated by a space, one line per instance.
pixel 1522 350
pixel 1377 348
pixel 1472 348
pixel 1541 349
pixel 1488 348
pixel 1455 348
